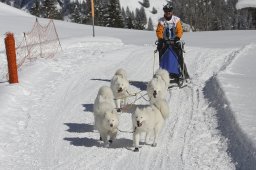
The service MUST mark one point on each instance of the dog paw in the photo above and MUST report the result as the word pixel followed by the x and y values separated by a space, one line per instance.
pixel 136 150
pixel 154 144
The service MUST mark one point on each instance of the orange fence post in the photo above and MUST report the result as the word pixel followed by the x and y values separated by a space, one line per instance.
pixel 11 58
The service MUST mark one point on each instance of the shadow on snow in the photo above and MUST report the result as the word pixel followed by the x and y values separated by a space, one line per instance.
pixel 79 127
pixel 90 142
pixel 88 107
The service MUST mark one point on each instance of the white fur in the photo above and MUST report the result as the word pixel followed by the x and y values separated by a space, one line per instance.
pixel 120 87
pixel 149 119
pixel 104 114
pixel 108 126
pixel 156 89
pixel 162 73
pixel 104 101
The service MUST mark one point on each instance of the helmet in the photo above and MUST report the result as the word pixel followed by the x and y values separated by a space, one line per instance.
pixel 168 7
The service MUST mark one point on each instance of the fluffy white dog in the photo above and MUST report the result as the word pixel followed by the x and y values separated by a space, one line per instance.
pixel 157 87
pixel 120 87
pixel 108 127
pixel 105 115
pixel 149 119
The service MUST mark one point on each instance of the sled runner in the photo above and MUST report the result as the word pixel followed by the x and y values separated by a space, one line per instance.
pixel 174 63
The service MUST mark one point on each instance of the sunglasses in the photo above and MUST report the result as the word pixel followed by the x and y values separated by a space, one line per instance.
pixel 166 11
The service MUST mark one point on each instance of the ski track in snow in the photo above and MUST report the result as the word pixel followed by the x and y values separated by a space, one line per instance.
pixel 60 133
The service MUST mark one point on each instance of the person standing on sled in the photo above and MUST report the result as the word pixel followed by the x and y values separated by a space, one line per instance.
pixel 171 38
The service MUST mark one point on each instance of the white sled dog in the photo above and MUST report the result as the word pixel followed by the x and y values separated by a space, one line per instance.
pixel 149 119
pixel 156 89
pixel 108 127
pixel 105 115
pixel 120 87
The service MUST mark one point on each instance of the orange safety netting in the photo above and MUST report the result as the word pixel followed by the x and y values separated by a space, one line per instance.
pixel 41 42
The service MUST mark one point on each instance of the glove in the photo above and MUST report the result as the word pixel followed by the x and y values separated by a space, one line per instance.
pixel 176 39
pixel 160 44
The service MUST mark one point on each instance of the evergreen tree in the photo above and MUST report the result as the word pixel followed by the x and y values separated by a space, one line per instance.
pixel 138 22
pixel 88 12
pixel 129 19
pixel 115 17
pixel 49 9
pixel 75 15
pixel 101 13
pixel 84 13
pixel 35 9
pixel 143 15
pixel 253 13
pixel 150 24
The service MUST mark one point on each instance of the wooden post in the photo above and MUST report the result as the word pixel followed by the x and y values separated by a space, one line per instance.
pixel 92 8
pixel 11 58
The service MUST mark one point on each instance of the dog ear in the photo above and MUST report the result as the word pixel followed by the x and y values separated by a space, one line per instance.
pixel 137 109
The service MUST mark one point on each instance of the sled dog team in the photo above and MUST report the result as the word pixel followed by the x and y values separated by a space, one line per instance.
pixel 147 119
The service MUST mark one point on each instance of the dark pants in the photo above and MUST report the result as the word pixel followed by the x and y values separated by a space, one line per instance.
pixel 162 47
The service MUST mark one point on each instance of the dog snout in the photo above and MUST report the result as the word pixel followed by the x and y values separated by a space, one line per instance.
pixel 111 125
pixel 120 89
pixel 139 123
pixel 154 93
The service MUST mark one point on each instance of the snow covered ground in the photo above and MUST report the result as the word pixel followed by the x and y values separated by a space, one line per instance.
pixel 47 120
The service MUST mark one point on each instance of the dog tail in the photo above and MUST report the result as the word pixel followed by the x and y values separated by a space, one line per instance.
pixel 163 107
pixel 163 74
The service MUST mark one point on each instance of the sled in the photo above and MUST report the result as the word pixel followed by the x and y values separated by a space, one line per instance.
pixel 170 62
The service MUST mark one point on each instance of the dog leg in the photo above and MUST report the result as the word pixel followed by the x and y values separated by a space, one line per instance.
pixel 156 130
pixel 124 102
pixel 104 138
pixel 147 138
pixel 118 105
pixel 136 140
pixel 112 137
pixel 101 135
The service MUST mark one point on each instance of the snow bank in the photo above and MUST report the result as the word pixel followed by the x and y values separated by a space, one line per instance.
pixel 240 146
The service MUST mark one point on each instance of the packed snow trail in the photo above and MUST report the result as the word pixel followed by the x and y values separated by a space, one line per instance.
pixel 59 129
